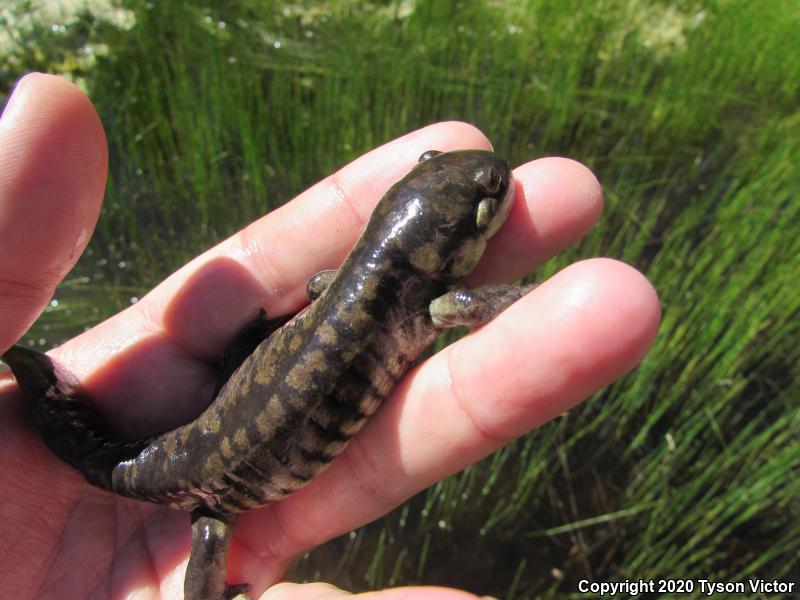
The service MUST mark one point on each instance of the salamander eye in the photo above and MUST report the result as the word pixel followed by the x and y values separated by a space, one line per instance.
pixel 428 155
pixel 489 180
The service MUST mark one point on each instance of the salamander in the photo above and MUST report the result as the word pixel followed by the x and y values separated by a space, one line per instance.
pixel 294 389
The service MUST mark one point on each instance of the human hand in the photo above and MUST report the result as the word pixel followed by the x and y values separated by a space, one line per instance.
pixel 150 368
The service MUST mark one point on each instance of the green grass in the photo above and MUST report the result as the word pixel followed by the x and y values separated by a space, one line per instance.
pixel 688 112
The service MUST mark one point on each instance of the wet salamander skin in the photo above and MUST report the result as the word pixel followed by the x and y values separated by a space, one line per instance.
pixel 312 382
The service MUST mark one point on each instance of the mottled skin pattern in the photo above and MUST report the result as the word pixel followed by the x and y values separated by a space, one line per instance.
pixel 293 392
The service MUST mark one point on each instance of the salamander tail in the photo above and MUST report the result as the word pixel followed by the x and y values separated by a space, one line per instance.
pixel 69 424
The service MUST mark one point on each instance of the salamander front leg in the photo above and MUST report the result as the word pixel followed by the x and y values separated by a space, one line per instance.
pixel 475 307
pixel 208 562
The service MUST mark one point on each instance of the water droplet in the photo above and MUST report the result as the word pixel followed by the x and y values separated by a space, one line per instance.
pixel 54 302
pixel 134 299
pixel 276 44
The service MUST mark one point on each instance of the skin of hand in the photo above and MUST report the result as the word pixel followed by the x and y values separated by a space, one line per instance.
pixel 151 367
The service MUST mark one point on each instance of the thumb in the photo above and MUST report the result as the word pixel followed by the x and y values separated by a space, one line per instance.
pixel 53 164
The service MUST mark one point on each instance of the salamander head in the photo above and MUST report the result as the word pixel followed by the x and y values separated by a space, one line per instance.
pixel 442 213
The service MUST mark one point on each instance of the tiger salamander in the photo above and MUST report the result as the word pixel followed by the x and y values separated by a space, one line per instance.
pixel 294 390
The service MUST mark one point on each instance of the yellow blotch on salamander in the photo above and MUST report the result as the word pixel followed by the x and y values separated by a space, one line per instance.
pixel 327 334
pixel 225 448
pixel 294 343
pixel 214 464
pixel 287 481
pixel 352 427
pixel 241 439
pixel 315 360
pixel 425 258
pixel 299 377
pixel 264 374
pixel 265 424
pixel 170 443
